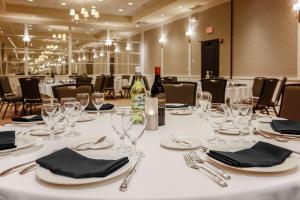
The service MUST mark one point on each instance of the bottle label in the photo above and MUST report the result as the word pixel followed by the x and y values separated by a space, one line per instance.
pixel 138 102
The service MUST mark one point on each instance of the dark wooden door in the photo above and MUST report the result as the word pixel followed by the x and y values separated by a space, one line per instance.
pixel 210 51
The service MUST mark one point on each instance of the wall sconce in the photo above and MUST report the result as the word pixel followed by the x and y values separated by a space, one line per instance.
pixel 296 6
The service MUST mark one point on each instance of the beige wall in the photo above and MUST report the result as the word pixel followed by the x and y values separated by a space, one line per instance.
pixel 265 38
pixel 152 50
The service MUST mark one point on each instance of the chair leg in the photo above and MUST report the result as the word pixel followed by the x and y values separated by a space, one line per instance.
pixel 5 111
pixel 15 108
pixel 275 111
pixel 1 106
pixel 267 111
pixel 30 109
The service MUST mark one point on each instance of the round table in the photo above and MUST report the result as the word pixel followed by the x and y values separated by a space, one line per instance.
pixel 162 174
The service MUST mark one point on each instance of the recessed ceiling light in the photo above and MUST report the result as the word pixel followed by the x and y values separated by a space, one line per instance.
pixel 130 3
pixel 30 28
pixel 87 32
pixel 1 32
pixel 93 6
pixel 30 0
pixel 49 29
pixel 30 25
pixel 63 3
pixel 120 10
pixel 180 6
pixel 162 15
pixel 148 20
pixel 106 23
pixel 100 0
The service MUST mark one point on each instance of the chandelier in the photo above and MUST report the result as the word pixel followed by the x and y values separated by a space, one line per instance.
pixel 84 14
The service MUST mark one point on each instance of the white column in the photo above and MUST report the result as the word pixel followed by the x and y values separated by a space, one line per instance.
pixel 26 52
pixel 162 51
pixel 142 52
pixel 189 69
pixel 108 52
pixel 70 56
pixel 128 62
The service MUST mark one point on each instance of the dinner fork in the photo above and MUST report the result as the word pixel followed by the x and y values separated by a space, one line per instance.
pixel 190 163
pixel 180 141
pixel 215 168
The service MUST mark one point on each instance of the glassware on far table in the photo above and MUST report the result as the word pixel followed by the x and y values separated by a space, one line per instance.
pixel 116 122
pixel 217 116
pixel 204 101
pixel 83 99
pixel 98 101
pixel 133 124
pixel 49 110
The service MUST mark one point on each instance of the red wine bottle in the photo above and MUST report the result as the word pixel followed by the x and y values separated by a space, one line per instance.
pixel 158 91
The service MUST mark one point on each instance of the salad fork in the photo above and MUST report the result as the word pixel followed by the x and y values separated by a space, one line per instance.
pixel 190 163
pixel 218 170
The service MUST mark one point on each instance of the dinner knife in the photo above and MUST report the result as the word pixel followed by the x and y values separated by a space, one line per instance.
pixel 128 177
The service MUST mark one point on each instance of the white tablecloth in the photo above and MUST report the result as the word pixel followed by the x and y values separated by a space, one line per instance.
pixel 119 83
pixel 238 91
pixel 162 175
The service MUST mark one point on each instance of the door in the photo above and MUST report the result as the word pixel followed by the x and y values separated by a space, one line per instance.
pixel 210 50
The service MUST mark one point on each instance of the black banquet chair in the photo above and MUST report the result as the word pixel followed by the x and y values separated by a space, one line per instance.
pixel 71 90
pixel 289 107
pixel 216 87
pixel 275 103
pixel 99 84
pixel 84 80
pixel 30 92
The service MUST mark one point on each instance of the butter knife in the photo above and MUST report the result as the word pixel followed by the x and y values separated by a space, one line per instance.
pixel 128 177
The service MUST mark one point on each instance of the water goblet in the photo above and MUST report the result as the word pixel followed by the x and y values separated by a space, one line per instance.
pixel 98 100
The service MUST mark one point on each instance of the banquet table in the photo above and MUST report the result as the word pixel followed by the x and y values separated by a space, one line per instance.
pixel 119 83
pixel 161 175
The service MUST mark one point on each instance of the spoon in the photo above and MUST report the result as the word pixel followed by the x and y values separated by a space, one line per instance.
pixel 97 142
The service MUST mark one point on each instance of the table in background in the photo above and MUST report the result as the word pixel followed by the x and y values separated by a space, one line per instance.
pixel 162 174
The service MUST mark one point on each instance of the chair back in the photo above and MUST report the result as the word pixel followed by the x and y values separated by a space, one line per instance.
pixel 216 87
pixel 6 88
pixel 257 86
pixel 30 88
pixel 84 80
pixel 146 83
pixel 109 82
pixel 181 92
pixel 99 84
pixel 267 92
pixel 289 107
pixel 71 90
pixel 280 89
pixel 2 96
pixel 126 77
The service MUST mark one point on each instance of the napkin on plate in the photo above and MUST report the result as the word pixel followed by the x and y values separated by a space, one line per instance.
pixel 68 163
pixel 35 118
pixel 286 126
pixel 261 154
pixel 7 140
pixel 177 106
pixel 106 106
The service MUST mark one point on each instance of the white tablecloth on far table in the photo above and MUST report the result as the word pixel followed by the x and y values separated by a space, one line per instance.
pixel 162 174
pixel 238 91
pixel 119 83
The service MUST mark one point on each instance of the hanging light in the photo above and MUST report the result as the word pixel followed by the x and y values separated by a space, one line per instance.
pixel 72 12
pixel 296 6
pixel 108 42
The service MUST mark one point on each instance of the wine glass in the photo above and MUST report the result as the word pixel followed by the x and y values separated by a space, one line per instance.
pixel 116 122
pixel 217 116
pixel 62 102
pixel 49 108
pixel 72 113
pixel 204 101
pixel 134 124
pixel 84 99
pixel 98 100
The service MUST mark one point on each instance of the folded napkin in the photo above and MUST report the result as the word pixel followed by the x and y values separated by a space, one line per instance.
pixel 25 119
pixel 261 154
pixel 7 140
pixel 106 106
pixel 286 126
pixel 177 106
pixel 68 163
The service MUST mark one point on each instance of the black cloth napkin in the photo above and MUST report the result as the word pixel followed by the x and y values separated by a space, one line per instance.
pixel 177 106
pixel 25 119
pixel 68 163
pixel 7 140
pixel 106 106
pixel 261 154
pixel 286 126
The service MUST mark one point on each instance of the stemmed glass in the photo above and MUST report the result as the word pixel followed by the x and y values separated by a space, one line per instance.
pixel 72 113
pixel 98 100
pixel 217 116
pixel 133 124
pixel 116 122
pixel 204 101
pixel 49 109
pixel 83 99
pixel 62 102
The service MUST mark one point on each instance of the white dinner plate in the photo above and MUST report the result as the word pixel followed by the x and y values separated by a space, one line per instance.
pixel 289 164
pixel 102 145
pixel 266 127
pixel 21 142
pixel 43 132
pixel 181 112
pixel 86 118
pixel 49 177
pixel 175 105
pixel 169 143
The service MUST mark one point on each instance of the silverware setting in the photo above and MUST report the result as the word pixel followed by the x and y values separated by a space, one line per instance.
pixel 29 169
pixel 15 168
pixel 124 185
pixel 102 139
pixel 190 163
pixel 215 168
pixel 180 141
